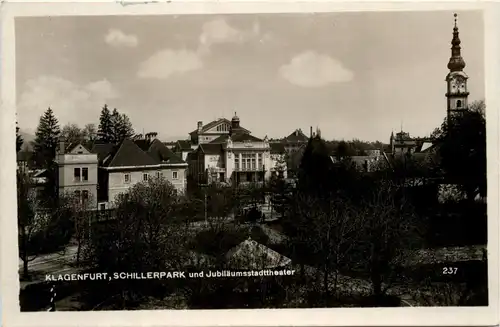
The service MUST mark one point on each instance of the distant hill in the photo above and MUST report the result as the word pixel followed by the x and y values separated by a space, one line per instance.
pixel 173 138
pixel 27 140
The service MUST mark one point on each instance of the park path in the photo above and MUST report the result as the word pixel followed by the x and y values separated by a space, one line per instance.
pixel 52 263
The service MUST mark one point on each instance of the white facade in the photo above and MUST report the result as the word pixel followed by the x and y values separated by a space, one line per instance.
pixel 121 180
pixel 77 173
pixel 245 161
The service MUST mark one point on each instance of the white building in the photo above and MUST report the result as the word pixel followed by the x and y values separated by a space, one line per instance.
pixel 234 156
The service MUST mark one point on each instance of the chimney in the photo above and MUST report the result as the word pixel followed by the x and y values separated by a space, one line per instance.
pixel 200 126
pixel 62 148
pixel 311 132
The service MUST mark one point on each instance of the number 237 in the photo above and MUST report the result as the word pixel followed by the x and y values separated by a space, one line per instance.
pixel 450 270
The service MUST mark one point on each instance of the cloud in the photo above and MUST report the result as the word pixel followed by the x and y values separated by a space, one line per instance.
pixel 218 31
pixel 71 102
pixel 311 69
pixel 167 62
pixel 116 38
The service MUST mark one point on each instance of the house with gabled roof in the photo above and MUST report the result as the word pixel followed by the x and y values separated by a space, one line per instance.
pixel 295 141
pixel 133 161
pixel 183 148
pixel 77 172
pixel 209 132
pixel 235 156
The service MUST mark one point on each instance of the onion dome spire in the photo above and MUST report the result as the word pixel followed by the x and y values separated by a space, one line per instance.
pixel 456 62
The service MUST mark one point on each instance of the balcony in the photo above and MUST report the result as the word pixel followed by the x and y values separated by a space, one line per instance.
pixel 248 169
pixel 216 169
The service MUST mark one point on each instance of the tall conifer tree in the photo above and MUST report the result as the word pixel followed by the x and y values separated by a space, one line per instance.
pixel 44 150
pixel 47 138
pixel 121 126
pixel 105 129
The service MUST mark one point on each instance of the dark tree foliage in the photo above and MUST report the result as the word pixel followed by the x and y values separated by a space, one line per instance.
pixel 19 139
pixel 121 127
pixel 315 168
pixel 114 127
pixel 144 236
pixel 281 193
pixel 39 230
pixel 105 129
pixel 345 150
pixel 462 150
pixel 44 154
pixel 47 139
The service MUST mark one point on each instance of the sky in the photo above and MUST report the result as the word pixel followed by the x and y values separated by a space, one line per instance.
pixel 353 75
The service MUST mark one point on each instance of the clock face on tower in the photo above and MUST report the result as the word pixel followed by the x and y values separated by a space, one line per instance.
pixel 457 84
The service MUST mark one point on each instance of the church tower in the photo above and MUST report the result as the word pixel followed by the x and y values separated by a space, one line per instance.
pixel 456 80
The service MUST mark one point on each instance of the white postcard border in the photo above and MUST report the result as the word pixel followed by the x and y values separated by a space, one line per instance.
pixel 463 316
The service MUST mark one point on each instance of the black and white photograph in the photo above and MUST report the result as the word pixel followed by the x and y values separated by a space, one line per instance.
pixel 300 160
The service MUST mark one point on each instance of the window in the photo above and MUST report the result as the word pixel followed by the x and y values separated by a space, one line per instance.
pixel 76 174
pixel 126 178
pixel 459 103
pixel 174 175
pixel 77 194
pixel 145 177
pixel 253 163
pixel 159 174
pixel 236 163
pixel 102 206
pixel 247 159
pixel 260 161
pixel 85 174
pixel 80 174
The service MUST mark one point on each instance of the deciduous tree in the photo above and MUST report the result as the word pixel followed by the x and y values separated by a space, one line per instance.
pixel 89 132
pixel 72 134
pixel 144 236
pixel 389 230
